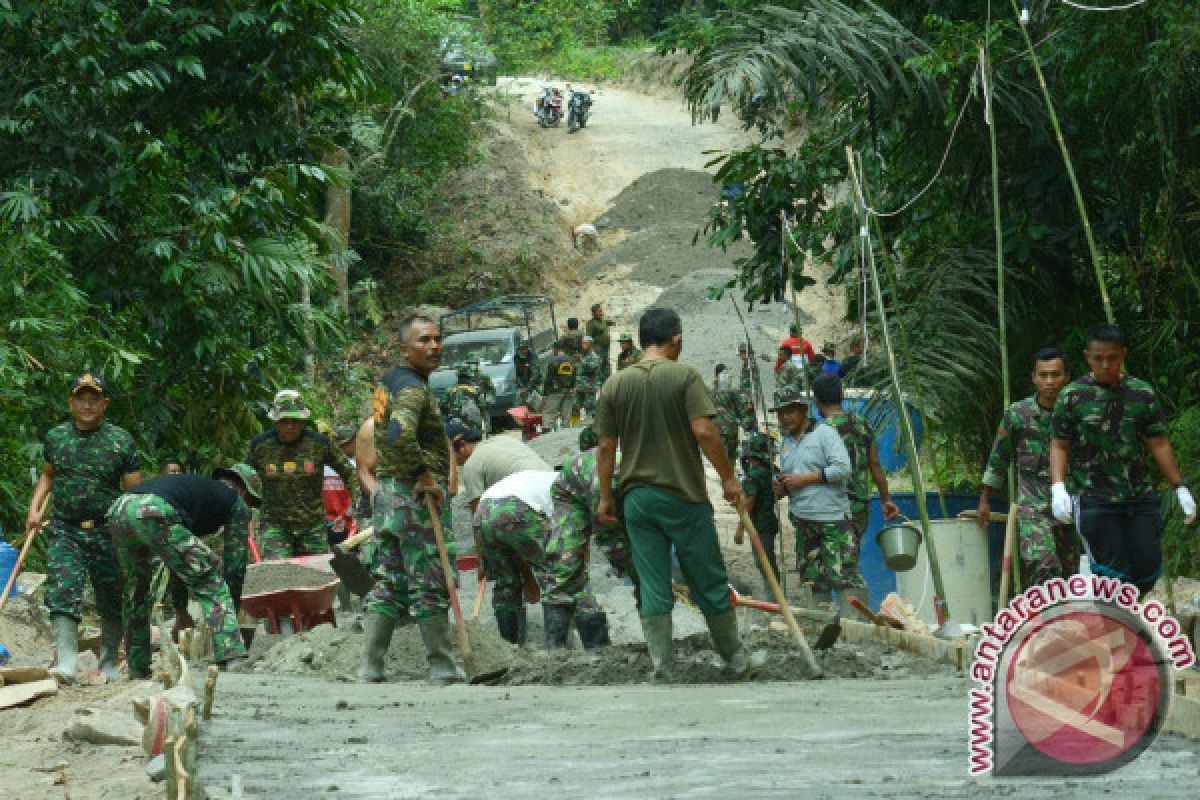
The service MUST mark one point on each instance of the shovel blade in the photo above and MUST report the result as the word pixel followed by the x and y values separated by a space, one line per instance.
pixel 353 573
pixel 829 635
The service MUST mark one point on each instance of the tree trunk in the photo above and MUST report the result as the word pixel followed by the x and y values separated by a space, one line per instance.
pixel 337 217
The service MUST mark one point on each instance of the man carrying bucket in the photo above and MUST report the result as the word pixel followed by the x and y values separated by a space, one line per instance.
pixel 1047 549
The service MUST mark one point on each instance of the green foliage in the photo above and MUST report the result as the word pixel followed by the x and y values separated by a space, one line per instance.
pixel 1180 554
pixel 158 214
pixel 578 61
pixel 525 34
pixel 899 82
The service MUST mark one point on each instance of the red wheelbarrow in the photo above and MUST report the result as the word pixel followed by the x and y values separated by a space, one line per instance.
pixel 305 607
pixel 529 420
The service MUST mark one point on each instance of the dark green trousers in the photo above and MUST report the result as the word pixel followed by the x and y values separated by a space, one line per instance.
pixel 658 520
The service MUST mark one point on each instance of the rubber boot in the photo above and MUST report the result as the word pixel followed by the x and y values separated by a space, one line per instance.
pixel 378 636
pixel 593 630
pixel 556 618
pixel 66 645
pixel 657 630
pixel 509 624
pixel 435 632
pixel 110 645
pixel 724 632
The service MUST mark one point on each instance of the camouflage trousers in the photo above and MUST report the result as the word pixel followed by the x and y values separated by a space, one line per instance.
pixel 235 556
pixel 1046 549
pixel 75 554
pixel 144 526
pixel 276 541
pixel 827 554
pixel 573 527
pixel 409 582
pixel 585 398
pixel 511 532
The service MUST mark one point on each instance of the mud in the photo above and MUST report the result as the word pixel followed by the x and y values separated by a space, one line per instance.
pixel 267 577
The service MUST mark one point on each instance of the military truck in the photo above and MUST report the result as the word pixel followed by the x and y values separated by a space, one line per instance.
pixel 490 332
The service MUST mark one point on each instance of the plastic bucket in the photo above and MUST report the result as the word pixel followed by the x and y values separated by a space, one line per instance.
pixel 8 562
pixel 962 551
pixel 900 545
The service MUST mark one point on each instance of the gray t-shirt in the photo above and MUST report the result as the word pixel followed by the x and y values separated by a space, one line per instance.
pixel 493 461
pixel 819 448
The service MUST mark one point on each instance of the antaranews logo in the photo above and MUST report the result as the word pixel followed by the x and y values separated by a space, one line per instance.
pixel 1073 680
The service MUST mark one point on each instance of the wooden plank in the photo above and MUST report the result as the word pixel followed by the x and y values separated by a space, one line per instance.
pixel 9 675
pixel 21 693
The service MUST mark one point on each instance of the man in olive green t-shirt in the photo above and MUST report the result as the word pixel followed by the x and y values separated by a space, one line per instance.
pixel 661 414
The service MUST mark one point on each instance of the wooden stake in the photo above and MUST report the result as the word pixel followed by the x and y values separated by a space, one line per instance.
pixel 1006 566
pixel 805 652
pixel 210 690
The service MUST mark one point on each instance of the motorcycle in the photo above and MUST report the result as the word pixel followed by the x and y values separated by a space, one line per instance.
pixel 549 107
pixel 578 108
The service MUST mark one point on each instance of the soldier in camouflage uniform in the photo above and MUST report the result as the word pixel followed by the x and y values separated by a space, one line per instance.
pixel 859 438
pixel 1104 423
pixel 291 461
pixel 88 461
pixel 597 328
pixel 412 465
pixel 165 518
pixel 575 524
pixel 513 524
pixel 758 486
pixel 485 392
pixel 733 413
pixel 572 340
pixel 1046 549
pixel 235 550
pixel 815 471
pixel 749 378
pixel 589 377
pixel 525 364
pixel 628 354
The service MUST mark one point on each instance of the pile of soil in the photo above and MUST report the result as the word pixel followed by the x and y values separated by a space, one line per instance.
pixel 273 577
pixel 696 662
pixel 25 631
pixel 337 653
pixel 661 197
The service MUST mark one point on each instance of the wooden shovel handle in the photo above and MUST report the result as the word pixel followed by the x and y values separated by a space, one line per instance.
pixel 12 578
pixel 358 538
pixel 444 555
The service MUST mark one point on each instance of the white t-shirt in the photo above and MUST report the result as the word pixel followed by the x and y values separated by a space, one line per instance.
pixel 532 486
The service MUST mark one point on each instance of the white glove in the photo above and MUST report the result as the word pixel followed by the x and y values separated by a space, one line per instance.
pixel 1187 504
pixel 1060 504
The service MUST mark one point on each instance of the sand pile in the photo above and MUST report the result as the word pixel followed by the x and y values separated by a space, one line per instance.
pixel 274 577
pixel 25 631
pixel 337 653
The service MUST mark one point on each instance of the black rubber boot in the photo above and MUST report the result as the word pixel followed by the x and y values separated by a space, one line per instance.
pixel 509 624
pixel 593 630
pixel 557 620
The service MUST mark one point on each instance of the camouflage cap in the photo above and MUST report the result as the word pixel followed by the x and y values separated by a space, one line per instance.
pixel 243 474
pixel 625 337
pixel 288 404
pixel 789 394
pixel 757 445
pixel 588 438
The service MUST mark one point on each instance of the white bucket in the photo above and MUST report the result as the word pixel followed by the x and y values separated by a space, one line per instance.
pixel 962 551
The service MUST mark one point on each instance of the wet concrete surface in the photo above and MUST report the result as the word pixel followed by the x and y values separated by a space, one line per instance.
pixel 290 737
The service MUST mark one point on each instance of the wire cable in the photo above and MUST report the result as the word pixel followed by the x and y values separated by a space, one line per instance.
pixel 1124 7
pixel 941 166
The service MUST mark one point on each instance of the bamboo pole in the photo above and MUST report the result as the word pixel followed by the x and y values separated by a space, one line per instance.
pixel 1066 156
pixel 910 439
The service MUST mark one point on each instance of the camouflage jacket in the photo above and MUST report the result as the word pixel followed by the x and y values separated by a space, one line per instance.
pixel 1107 428
pixel 485 391
pixel 88 468
pixel 590 372
pixel 1023 439
pixel 293 476
pixel 748 378
pixel 858 437
pixel 732 411
pixel 460 396
pixel 598 330
pixel 409 437
pixel 526 369
pixel 573 346
pixel 578 482
pixel 627 357
pixel 756 483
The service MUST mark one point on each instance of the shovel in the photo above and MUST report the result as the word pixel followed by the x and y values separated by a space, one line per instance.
pixel 830 633
pixel 353 573
pixel 810 661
